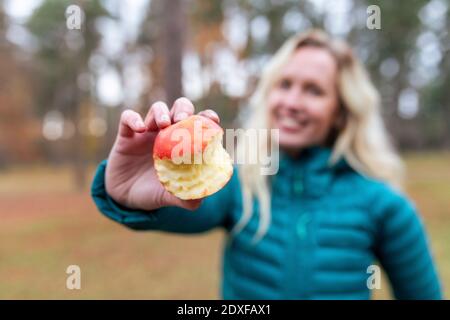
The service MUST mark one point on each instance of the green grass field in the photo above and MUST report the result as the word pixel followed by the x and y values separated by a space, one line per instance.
pixel 45 227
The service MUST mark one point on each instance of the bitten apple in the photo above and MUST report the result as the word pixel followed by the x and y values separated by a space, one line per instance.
pixel 190 160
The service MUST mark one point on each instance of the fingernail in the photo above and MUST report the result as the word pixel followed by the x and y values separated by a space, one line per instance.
pixel 213 114
pixel 165 118
pixel 180 116
pixel 139 124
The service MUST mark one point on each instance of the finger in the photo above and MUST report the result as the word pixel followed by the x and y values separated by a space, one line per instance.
pixel 191 204
pixel 158 117
pixel 130 122
pixel 210 114
pixel 182 108
pixel 186 204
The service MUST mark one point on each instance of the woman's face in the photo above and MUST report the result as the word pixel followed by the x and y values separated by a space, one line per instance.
pixel 303 104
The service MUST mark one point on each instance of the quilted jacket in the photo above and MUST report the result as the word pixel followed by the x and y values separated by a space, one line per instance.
pixel 329 225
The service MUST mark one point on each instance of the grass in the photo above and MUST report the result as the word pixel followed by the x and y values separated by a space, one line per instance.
pixel 46 226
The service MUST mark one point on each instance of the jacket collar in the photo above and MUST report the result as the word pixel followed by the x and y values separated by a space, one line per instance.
pixel 311 169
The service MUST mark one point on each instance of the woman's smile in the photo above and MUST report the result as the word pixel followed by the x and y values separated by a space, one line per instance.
pixel 290 124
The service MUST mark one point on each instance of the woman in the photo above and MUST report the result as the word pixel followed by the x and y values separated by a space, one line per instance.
pixel 311 231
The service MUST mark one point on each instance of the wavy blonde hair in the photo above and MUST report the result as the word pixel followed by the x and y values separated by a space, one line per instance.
pixel 361 139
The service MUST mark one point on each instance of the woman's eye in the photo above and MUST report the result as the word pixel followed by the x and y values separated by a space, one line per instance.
pixel 285 84
pixel 315 90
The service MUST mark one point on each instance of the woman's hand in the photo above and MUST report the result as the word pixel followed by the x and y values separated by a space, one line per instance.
pixel 130 177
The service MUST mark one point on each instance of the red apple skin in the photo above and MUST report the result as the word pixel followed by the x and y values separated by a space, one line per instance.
pixel 164 144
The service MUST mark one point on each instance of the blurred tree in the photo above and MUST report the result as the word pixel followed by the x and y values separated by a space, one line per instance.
pixel 396 41
pixel 246 33
pixel 61 62
pixel 436 95
pixel 149 37
pixel 3 26
pixel 206 19
pixel 173 35
pixel 271 15
pixel 164 29
pixel 17 126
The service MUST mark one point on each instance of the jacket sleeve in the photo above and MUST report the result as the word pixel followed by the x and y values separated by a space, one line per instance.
pixel 404 251
pixel 213 212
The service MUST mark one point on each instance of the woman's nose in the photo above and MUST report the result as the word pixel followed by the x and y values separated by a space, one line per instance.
pixel 293 100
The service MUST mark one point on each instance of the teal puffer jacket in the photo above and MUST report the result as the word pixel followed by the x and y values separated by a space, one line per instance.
pixel 328 225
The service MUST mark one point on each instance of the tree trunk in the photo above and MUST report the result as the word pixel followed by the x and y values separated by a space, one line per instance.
pixel 174 22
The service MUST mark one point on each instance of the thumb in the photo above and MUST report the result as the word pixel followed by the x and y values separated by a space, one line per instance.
pixel 191 205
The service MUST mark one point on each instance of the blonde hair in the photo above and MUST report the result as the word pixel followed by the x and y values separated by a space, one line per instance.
pixel 362 139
